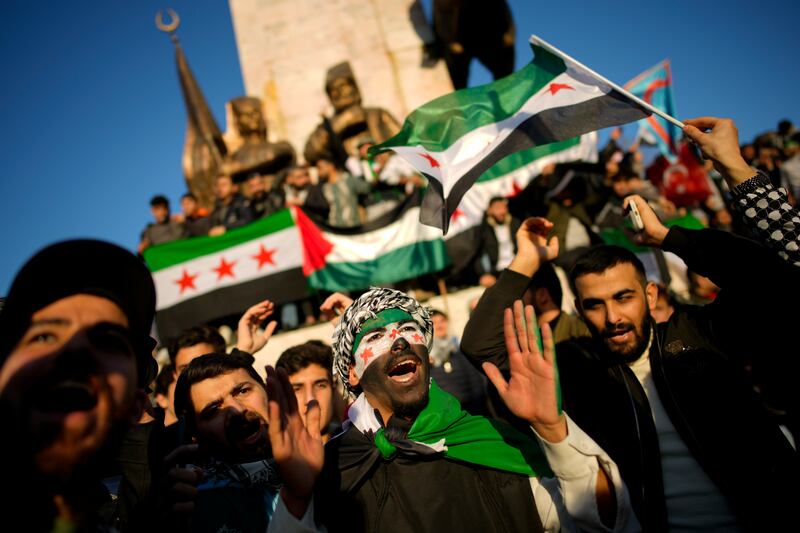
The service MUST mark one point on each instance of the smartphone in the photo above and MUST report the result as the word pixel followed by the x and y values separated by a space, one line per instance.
pixel 635 217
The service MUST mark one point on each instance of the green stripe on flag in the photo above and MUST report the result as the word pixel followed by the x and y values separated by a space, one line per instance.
pixel 403 263
pixel 451 116
pixel 176 252
pixel 520 159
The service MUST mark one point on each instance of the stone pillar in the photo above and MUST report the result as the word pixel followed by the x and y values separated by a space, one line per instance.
pixel 286 46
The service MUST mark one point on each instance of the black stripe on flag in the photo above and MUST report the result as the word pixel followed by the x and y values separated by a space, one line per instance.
pixel 287 286
pixel 548 126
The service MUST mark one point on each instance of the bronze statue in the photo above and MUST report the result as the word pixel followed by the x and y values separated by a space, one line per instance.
pixel 339 136
pixel 256 154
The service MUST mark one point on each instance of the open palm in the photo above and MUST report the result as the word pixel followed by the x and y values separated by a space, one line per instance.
pixel 530 393
pixel 297 448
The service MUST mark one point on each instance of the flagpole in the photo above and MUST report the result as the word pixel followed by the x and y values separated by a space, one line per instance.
pixel 538 41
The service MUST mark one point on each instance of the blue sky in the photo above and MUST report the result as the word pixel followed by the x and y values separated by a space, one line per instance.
pixel 94 122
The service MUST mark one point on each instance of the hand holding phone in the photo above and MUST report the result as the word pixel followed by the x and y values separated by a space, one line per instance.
pixel 635 217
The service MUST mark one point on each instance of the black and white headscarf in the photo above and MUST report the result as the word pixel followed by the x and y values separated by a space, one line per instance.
pixel 364 308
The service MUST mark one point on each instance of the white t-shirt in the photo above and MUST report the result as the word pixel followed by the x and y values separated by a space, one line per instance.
pixel 693 501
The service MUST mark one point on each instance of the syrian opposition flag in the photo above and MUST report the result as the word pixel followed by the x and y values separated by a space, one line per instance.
pixel 454 139
pixel 654 86
pixel 205 278
pixel 395 247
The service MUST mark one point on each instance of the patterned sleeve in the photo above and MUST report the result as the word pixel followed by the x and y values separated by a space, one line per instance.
pixel 765 210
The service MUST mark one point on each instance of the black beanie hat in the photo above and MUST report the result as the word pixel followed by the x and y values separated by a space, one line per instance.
pixel 83 267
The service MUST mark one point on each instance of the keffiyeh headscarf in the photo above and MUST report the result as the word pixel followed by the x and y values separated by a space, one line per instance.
pixel 366 307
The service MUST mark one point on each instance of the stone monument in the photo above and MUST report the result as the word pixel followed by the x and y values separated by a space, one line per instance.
pixel 286 48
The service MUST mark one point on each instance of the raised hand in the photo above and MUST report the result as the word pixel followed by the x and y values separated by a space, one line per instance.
pixel 531 392
pixel 296 448
pixel 654 231
pixel 335 305
pixel 533 246
pixel 248 339
pixel 721 145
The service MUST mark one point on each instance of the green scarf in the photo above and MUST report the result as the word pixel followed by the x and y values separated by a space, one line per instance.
pixel 471 439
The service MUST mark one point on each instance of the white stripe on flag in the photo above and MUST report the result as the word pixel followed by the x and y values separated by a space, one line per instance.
pixel 285 247
pixel 473 206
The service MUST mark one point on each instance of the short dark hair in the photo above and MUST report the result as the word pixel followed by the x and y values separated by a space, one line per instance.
pixel 159 200
pixel 436 312
pixel 598 259
pixel 296 358
pixel 546 278
pixel 206 367
pixel 189 195
pixel 196 335
pixel 164 379
pixel 494 199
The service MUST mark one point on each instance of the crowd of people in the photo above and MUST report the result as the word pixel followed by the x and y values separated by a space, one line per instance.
pixel 658 416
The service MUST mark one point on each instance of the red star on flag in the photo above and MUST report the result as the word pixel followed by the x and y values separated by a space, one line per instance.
pixel 264 256
pixel 431 161
pixel 515 190
pixel 224 269
pixel 187 281
pixel 458 213
pixel 555 87
pixel 419 339
pixel 366 355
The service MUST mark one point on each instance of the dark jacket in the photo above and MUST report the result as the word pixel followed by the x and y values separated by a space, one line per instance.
pixel 360 491
pixel 234 215
pixel 698 360
pixel 489 247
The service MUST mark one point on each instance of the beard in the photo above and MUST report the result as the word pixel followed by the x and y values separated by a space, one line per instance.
pixel 246 437
pixel 404 399
pixel 629 352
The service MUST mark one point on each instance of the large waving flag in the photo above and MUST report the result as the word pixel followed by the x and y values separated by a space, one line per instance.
pixel 654 86
pixel 456 138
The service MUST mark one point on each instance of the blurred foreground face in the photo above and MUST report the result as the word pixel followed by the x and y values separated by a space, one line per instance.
pixel 314 383
pixel 70 381
pixel 231 415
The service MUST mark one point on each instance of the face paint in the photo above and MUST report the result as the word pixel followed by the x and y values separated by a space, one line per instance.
pixel 378 341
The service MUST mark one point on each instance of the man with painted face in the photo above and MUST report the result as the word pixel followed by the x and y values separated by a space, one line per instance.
pixel 410 459
pixel 672 402
pixel 75 357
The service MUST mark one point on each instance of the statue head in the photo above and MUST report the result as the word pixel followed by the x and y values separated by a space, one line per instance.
pixel 340 84
pixel 249 116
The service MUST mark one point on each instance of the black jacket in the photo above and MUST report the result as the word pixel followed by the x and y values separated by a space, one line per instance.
pixel 234 215
pixel 489 246
pixel 698 360
pixel 360 491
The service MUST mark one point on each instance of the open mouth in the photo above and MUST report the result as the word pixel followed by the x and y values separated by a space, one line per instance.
pixel 245 431
pixel 404 370
pixel 68 396
pixel 620 336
